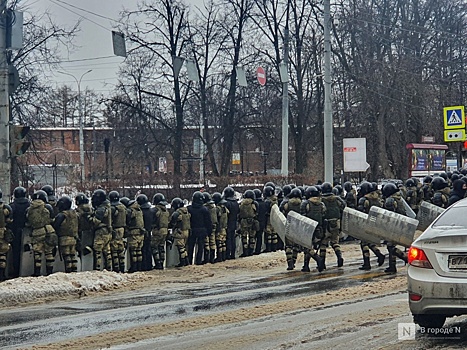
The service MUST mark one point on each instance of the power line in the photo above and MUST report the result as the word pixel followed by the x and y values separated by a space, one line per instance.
pixel 87 11
pixel 78 14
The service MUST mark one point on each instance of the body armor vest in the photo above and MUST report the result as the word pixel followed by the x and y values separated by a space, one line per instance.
pixel 162 215
pixel 137 219
pixel 247 210
pixel 183 220
pixel 332 207
pixel 83 210
pixel 314 209
pixel 38 215
pixel 119 216
pixel 223 216
pixel 293 205
pixel 69 226
pixel 213 211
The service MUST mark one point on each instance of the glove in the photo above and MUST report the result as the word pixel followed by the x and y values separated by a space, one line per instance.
pixel 27 248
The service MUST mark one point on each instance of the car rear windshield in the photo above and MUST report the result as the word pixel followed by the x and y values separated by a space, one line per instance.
pixel 454 217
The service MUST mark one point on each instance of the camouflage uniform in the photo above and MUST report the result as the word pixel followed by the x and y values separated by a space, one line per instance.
pixel 135 238
pixel 271 237
pixel 180 224
pixel 101 221
pixel 365 203
pixel 117 244
pixel 210 240
pixel 221 232
pixel 334 207
pixel 159 235
pixel 6 237
pixel 248 225
pixel 43 237
pixel 66 226
pixel 291 249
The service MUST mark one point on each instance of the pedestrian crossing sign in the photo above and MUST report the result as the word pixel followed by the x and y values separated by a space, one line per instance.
pixel 454 117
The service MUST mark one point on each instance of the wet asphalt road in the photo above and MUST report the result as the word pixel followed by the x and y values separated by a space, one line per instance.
pixel 51 323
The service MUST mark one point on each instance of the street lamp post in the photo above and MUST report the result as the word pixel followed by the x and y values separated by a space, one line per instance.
pixel 81 123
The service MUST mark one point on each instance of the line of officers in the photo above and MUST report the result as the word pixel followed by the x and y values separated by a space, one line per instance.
pixel 106 227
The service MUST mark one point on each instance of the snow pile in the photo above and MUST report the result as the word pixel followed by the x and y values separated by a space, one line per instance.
pixel 30 289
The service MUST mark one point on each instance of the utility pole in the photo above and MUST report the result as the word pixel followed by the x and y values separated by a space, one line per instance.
pixel 5 166
pixel 81 124
pixel 328 124
pixel 285 99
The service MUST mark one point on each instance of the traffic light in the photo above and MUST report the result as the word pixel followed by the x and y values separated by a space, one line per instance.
pixel 18 144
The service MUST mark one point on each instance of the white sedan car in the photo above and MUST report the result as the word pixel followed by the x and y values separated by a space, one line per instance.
pixel 437 271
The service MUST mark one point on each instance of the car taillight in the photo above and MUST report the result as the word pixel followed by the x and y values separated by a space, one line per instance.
pixel 417 257
pixel 415 297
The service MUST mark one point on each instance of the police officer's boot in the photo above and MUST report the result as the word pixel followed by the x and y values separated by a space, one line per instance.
pixel 268 247
pixel 340 259
pixel 381 258
pixel 366 264
pixel 122 267
pixel 159 265
pixel 392 261
pixel 206 256
pixel 322 255
pixel 224 255
pixel 37 271
pixel 306 264
pixel 212 256
pixel 2 274
pixel 183 262
pixel 319 262
pixel 49 270
pixel 290 264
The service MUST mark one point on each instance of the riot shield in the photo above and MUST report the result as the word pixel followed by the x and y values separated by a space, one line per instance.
pixel 278 221
pixel 408 209
pixel 86 256
pixel 299 229
pixel 391 226
pixel 26 267
pixel 427 214
pixel 354 223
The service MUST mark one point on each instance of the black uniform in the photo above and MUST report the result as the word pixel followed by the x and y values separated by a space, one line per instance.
pixel 234 208
pixel 201 226
pixel 148 217
pixel 19 207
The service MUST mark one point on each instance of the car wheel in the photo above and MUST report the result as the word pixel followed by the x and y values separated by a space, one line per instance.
pixel 429 321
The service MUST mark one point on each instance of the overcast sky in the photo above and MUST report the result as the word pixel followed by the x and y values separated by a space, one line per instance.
pixel 94 40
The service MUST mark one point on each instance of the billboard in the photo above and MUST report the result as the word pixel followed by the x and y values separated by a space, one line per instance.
pixel 428 160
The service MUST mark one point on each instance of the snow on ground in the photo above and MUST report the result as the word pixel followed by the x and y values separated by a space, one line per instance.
pixel 27 290
pixel 33 289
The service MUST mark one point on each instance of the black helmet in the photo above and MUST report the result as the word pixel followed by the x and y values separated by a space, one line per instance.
pixel 142 199
pixel 19 192
pixel 125 201
pixel 159 199
pixel 444 175
pixel 258 193
pixel 326 188
pixel 40 195
pixel 311 191
pixel 217 197
pixel 81 199
pixel 270 183
pixel 229 192
pixel 249 194
pixel 114 196
pixel 207 198
pixel 347 186
pixel 295 193
pixel 268 191
pixel 286 190
pixel 374 186
pixel 98 197
pixel 427 179
pixel 198 197
pixel 48 189
pixel 439 183
pixel 389 189
pixel 302 190
pixel 64 203
pixel 455 177
pixel 409 183
pixel 339 189
pixel 365 188
pixel 177 203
